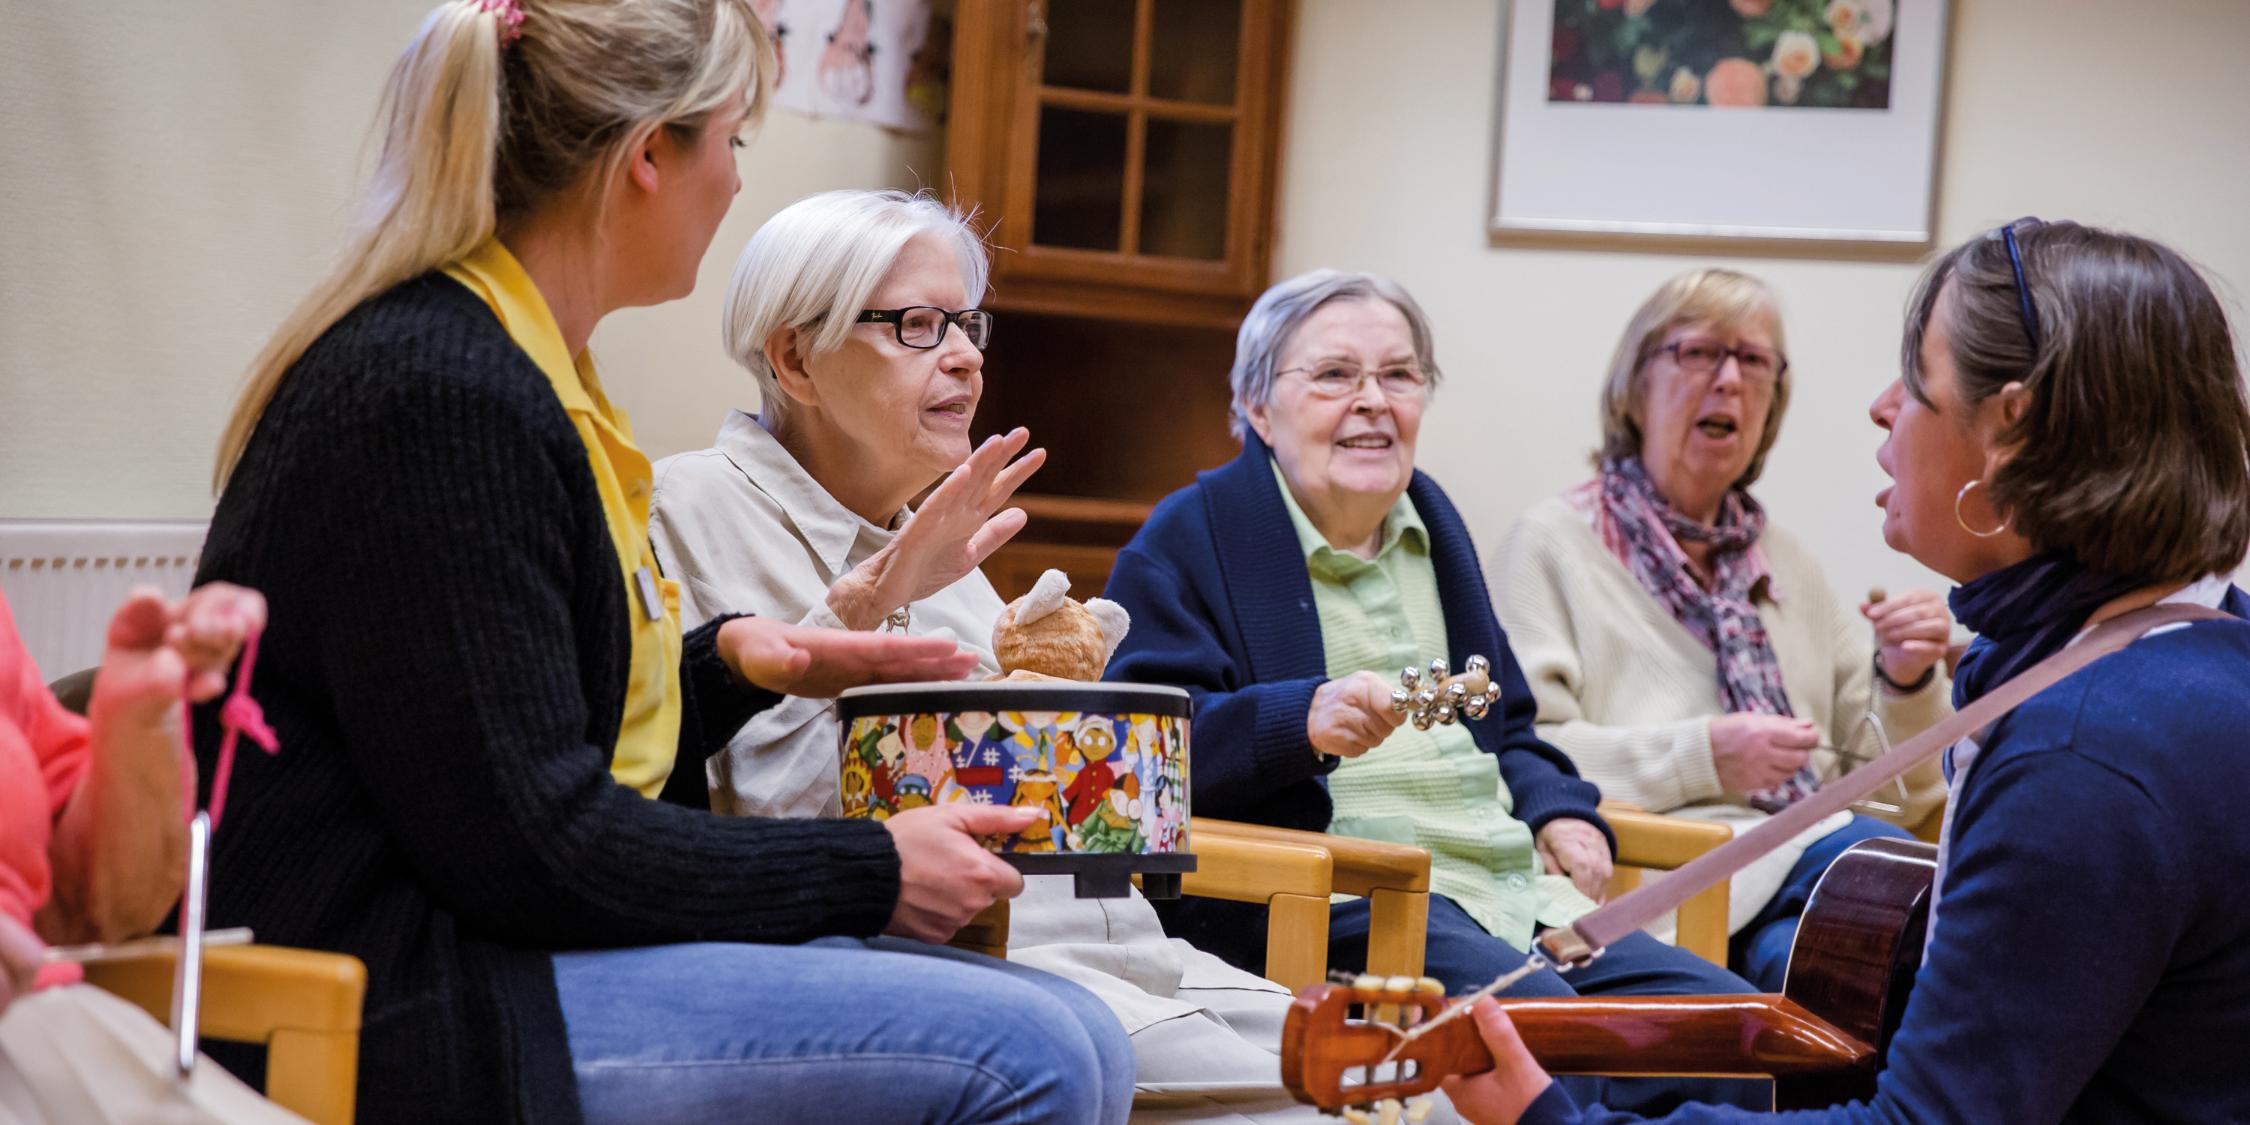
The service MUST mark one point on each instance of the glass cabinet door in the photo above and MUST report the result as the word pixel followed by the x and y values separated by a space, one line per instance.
pixel 1138 110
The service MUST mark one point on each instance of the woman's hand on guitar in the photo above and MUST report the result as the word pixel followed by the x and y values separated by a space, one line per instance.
pixel 1501 1095
pixel 945 874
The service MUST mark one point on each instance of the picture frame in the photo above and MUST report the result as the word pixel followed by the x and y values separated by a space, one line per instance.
pixel 1811 125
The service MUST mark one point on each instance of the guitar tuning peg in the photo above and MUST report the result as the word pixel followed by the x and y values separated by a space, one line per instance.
pixel 1477 664
pixel 1399 986
pixel 1357 1116
pixel 1368 982
pixel 1387 1111
pixel 1430 986
pixel 1418 1110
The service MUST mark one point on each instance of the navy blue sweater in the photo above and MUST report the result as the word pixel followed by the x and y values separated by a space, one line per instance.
pixel 1222 605
pixel 2091 960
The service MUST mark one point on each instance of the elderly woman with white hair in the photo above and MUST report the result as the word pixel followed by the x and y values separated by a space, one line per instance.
pixel 855 312
pixel 1286 589
pixel 1691 658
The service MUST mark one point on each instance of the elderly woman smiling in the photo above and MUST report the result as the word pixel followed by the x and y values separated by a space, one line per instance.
pixel 1286 590
pixel 800 513
pixel 1690 658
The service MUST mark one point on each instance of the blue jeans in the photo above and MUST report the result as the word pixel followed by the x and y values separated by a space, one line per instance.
pixel 1760 950
pixel 1464 956
pixel 878 1029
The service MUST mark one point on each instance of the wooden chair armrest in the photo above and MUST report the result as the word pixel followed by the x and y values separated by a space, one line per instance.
pixel 1664 843
pixel 1362 866
pixel 303 1005
pixel 1246 869
pixel 1393 878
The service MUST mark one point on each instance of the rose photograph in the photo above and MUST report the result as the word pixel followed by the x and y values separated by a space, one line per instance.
pixel 1830 54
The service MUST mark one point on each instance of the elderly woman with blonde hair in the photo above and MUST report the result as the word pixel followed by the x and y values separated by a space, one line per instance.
pixel 855 312
pixel 1691 658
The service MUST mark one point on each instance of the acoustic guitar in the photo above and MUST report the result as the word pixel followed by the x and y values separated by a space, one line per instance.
pixel 1821 1039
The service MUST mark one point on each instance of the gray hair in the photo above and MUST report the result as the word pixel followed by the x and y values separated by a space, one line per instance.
pixel 817 263
pixel 1283 309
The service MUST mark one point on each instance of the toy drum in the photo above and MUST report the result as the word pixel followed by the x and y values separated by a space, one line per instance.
pixel 1109 763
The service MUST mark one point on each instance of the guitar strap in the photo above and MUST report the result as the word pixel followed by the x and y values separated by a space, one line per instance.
pixel 1579 942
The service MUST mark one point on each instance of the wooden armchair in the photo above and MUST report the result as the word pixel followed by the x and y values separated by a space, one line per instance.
pixel 1293 874
pixel 1649 842
pixel 302 1005
pixel 1393 878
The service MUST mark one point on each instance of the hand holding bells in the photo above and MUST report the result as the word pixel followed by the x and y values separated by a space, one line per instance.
pixel 1445 697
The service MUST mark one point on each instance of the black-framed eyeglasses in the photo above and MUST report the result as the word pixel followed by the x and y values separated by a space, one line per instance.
pixel 1701 355
pixel 2028 311
pixel 923 326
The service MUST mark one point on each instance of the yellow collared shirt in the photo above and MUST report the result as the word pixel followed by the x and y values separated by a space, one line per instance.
pixel 648 736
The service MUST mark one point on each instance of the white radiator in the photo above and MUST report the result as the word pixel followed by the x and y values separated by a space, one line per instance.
pixel 64 578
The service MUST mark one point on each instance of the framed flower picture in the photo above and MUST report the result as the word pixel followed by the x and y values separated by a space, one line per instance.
pixel 1795 121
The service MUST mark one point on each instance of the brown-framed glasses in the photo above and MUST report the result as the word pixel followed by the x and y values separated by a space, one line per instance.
pixel 1701 355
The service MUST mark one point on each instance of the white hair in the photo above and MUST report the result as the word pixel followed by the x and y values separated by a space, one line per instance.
pixel 817 263
pixel 1288 305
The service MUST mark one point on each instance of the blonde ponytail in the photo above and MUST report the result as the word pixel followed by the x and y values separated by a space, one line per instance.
pixel 471 132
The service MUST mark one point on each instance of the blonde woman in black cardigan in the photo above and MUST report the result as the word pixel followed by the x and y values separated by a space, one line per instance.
pixel 449 521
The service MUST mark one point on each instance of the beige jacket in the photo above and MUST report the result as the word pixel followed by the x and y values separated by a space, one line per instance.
pixel 1628 693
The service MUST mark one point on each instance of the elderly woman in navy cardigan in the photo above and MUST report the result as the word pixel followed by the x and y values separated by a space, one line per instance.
pixel 1287 588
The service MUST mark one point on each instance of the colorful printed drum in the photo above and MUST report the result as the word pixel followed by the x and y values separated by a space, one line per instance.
pixel 1109 763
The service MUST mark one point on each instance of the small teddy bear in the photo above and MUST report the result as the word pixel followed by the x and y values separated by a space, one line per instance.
pixel 1045 634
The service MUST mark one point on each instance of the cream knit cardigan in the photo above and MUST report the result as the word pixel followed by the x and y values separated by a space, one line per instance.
pixel 1628 693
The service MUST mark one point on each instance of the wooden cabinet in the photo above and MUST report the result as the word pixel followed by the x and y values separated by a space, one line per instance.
pixel 1121 154
pixel 1123 151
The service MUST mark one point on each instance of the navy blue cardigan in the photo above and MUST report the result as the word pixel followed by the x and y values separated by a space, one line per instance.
pixel 1222 605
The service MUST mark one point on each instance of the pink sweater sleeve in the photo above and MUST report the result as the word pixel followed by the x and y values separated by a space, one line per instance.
pixel 43 756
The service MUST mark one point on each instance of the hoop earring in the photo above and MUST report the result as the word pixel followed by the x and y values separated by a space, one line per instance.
pixel 1963 495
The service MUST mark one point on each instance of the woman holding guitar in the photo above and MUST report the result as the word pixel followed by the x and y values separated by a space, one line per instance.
pixel 2070 442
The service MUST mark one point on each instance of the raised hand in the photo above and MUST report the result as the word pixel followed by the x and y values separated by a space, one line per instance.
pixel 1912 630
pixel 810 661
pixel 959 526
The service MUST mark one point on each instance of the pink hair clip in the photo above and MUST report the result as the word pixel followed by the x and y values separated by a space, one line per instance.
pixel 510 18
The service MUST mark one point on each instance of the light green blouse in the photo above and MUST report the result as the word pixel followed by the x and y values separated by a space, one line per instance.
pixel 1435 789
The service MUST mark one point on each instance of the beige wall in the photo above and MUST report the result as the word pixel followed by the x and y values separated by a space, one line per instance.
pixel 170 180
pixel 174 175
pixel 2127 114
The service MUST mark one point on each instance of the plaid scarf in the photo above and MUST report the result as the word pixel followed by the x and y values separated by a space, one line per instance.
pixel 1643 530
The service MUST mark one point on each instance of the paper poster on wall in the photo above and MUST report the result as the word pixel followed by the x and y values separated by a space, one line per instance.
pixel 879 61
